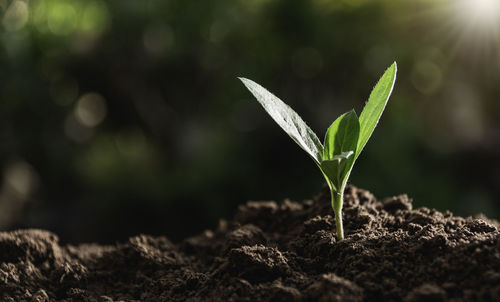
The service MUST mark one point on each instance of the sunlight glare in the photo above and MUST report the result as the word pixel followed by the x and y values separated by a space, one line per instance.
pixel 484 7
pixel 481 12
pixel 478 25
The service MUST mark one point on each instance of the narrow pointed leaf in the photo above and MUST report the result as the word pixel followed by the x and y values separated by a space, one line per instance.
pixel 287 119
pixel 375 106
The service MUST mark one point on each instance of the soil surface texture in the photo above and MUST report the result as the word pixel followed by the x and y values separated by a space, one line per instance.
pixel 272 251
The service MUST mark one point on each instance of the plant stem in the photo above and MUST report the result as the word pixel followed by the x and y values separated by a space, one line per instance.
pixel 337 209
pixel 340 226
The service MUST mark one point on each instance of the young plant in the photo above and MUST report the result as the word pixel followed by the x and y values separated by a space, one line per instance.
pixel 344 139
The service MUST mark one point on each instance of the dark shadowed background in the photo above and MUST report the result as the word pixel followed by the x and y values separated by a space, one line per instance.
pixel 122 117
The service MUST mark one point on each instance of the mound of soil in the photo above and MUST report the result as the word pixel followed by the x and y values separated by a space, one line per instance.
pixel 272 252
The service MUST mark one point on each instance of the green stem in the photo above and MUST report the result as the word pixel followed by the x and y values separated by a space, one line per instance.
pixel 337 209
pixel 340 226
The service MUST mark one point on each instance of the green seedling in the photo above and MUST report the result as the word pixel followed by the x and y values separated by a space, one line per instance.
pixel 344 139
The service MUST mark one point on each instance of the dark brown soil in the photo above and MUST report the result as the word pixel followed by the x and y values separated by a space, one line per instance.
pixel 272 252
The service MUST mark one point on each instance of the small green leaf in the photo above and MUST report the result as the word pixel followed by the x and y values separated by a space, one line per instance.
pixel 333 168
pixel 287 119
pixel 342 135
pixel 375 106
pixel 340 143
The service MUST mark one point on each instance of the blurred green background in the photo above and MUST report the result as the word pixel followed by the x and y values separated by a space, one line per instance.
pixel 121 117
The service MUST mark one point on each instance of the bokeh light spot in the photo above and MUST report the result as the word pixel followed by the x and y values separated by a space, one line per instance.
pixel 21 178
pixel 16 16
pixel 95 17
pixel 426 76
pixel 61 17
pixel 90 109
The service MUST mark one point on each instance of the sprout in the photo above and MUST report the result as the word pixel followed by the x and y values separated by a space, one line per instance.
pixel 344 139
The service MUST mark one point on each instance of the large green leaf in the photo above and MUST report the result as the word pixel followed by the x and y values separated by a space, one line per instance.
pixel 375 106
pixel 287 119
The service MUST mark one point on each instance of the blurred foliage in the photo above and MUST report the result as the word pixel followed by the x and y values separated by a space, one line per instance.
pixel 120 117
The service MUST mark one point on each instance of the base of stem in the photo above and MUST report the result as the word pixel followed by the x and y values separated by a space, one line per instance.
pixel 340 225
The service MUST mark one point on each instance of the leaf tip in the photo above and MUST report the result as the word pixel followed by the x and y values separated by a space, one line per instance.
pixel 249 84
pixel 395 67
